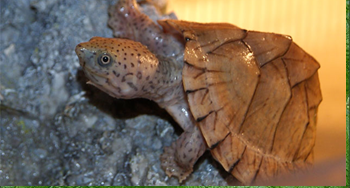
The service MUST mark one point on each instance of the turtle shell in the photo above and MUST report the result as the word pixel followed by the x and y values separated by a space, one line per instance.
pixel 254 96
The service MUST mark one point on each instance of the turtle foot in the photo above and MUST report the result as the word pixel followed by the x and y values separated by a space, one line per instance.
pixel 171 167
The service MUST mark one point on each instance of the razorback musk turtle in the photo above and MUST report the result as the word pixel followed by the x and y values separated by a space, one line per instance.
pixel 249 97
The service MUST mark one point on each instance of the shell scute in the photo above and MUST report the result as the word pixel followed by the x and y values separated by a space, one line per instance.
pixel 229 151
pixel 292 125
pixel 201 99
pixel 230 80
pixel 270 99
pixel 217 132
pixel 263 91
pixel 248 165
pixel 267 46
pixel 300 65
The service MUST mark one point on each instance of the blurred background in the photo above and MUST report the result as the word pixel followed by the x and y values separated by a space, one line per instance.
pixel 318 26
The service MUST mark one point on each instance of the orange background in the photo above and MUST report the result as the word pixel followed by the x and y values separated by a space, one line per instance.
pixel 318 26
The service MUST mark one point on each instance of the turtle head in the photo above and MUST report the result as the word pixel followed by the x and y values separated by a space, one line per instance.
pixel 120 67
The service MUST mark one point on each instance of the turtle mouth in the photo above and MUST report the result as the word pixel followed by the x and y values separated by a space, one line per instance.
pixel 94 76
pixel 93 72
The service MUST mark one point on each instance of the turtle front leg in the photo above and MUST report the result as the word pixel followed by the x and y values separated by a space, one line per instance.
pixel 178 159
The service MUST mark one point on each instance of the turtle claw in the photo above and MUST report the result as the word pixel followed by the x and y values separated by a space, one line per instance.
pixel 171 167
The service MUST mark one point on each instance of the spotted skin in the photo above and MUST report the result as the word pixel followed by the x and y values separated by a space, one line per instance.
pixel 127 21
pixel 126 69
pixel 131 65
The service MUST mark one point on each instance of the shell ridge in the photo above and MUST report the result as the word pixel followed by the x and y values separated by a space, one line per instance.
pixel 296 83
pixel 192 91
pixel 239 159
pixel 288 77
pixel 248 162
pixel 285 106
pixel 293 122
pixel 311 123
pixel 302 65
pixel 208 44
pixel 256 54
pixel 257 172
pixel 194 66
pixel 314 91
pixel 290 43
pixel 246 142
pixel 309 154
pixel 255 88
pixel 277 158
pixel 222 44
pixel 308 123
pixel 215 145
pixel 205 94
pixel 199 119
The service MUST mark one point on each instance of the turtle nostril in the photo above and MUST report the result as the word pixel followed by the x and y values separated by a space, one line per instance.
pixel 80 49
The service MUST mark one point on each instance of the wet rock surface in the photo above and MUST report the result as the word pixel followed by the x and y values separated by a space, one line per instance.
pixel 55 129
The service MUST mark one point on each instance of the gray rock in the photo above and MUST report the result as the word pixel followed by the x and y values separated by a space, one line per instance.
pixel 56 130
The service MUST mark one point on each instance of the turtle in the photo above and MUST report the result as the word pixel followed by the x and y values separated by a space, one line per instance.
pixel 249 97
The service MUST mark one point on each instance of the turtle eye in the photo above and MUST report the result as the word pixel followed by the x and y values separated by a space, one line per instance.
pixel 104 60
